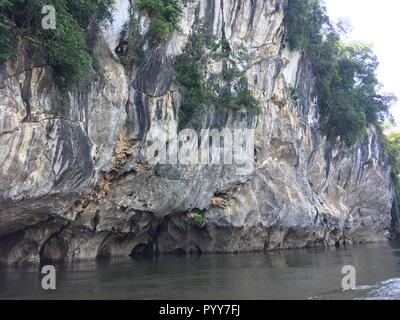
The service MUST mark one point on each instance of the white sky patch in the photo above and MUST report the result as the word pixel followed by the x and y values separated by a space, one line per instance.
pixel 377 23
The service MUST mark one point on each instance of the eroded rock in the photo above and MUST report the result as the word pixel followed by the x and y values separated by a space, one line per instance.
pixel 79 186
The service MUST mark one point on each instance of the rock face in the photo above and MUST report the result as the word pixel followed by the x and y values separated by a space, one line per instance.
pixel 78 184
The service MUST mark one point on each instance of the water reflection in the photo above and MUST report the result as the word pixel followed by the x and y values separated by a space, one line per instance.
pixel 297 274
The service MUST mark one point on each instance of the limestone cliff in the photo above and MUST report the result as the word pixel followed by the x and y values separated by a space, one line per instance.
pixel 78 186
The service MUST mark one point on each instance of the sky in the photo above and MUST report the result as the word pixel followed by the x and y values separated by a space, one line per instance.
pixel 377 23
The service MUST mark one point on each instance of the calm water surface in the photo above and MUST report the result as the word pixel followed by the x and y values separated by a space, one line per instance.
pixel 297 274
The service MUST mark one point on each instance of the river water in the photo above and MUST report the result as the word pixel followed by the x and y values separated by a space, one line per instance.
pixel 297 274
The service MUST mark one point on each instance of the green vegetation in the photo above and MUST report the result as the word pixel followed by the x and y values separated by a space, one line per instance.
pixel 304 21
pixel 392 146
pixel 8 45
pixel 64 50
pixel 228 90
pixel 198 218
pixel 294 94
pixel 235 94
pixel 134 54
pixel 165 16
pixel 191 75
pixel 345 75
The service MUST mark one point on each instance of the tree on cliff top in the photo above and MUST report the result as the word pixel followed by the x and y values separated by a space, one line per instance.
pixel 346 85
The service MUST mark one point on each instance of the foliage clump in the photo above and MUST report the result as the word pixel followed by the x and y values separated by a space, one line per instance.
pixel 392 147
pixel 235 93
pixel 347 88
pixel 165 16
pixel 133 54
pixel 64 50
pixel 228 90
pixel 197 218
pixel 191 75
pixel 8 33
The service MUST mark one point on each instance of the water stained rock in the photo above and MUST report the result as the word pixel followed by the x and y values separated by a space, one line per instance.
pixel 77 185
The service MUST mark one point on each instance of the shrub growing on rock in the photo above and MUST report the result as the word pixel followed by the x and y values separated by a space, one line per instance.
pixel 64 50
pixel 165 16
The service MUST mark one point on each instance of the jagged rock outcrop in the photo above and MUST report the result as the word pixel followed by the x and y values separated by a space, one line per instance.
pixel 79 186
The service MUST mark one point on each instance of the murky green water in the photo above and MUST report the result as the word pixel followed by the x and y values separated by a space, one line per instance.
pixel 298 274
